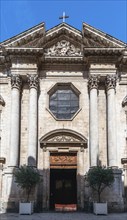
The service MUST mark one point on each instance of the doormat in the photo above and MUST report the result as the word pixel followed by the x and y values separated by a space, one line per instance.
pixel 65 207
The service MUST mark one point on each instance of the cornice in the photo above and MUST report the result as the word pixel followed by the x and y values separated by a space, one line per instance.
pixel 21 50
pixel 88 55
pixel 103 51
pixel 62 60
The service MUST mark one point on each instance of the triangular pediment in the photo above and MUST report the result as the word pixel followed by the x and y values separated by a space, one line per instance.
pixel 55 35
pixel 93 37
pixel 61 36
pixel 28 37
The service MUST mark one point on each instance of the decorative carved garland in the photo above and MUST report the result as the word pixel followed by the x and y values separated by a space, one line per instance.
pixel 63 48
pixel 63 159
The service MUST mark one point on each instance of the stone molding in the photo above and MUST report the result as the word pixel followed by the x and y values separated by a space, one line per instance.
pixel 93 82
pixel 110 82
pixel 16 81
pixel 33 81
pixel 63 48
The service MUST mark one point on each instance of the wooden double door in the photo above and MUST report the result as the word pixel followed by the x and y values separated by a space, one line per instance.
pixel 63 189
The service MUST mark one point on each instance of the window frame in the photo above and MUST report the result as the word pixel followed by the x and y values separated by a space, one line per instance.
pixel 68 86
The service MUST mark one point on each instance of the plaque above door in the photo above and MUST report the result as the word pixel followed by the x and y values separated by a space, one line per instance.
pixel 63 160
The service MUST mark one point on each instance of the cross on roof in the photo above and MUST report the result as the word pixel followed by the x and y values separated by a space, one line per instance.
pixel 64 17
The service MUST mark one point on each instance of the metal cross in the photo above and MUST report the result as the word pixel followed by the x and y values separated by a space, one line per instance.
pixel 64 17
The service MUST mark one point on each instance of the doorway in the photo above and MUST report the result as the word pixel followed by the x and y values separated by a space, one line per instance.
pixel 63 189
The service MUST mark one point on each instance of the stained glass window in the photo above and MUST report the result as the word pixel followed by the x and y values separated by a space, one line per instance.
pixel 64 102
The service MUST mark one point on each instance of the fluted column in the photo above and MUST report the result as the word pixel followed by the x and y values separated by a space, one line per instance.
pixel 111 117
pixel 32 132
pixel 15 120
pixel 93 123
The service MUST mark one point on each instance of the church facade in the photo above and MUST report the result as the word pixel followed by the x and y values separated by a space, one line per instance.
pixel 63 107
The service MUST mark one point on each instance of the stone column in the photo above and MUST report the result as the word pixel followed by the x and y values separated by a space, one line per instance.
pixel 15 120
pixel 32 132
pixel 93 124
pixel 111 116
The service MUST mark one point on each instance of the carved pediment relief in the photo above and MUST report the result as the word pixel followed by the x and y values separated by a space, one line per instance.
pixel 90 42
pixel 35 43
pixel 63 136
pixel 63 48
pixel 59 48
pixel 63 139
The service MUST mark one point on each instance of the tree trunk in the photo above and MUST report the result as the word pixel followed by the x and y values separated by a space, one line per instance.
pixel 99 197
pixel 28 194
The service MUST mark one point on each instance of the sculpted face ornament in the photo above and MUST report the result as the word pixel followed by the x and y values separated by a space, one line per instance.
pixel 111 82
pixel 33 81
pixel 63 48
pixel 93 82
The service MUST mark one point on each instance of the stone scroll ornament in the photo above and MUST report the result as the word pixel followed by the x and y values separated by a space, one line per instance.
pixel 33 81
pixel 63 48
pixel 16 81
pixel 111 82
pixel 2 102
pixel 124 102
pixel 93 82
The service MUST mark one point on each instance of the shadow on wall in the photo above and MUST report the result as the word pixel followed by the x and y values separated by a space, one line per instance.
pixel 42 197
pixel 12 194
pixel 125 188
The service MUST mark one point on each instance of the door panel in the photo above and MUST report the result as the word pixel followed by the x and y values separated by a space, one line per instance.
pixel 63 187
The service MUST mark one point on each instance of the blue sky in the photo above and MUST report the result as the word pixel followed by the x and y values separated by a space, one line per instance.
pixel 109 16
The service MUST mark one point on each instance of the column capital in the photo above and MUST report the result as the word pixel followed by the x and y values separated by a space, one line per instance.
pixel 33 81
pixel 111 82
pixel 93 82
pixel 16 81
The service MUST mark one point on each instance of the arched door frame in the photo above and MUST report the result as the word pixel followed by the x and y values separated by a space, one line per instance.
pixel 63 140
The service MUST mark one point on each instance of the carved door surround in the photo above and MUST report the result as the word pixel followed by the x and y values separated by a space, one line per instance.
pixel 63 149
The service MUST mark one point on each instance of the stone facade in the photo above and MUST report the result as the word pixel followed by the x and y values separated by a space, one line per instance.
pixel 33 66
